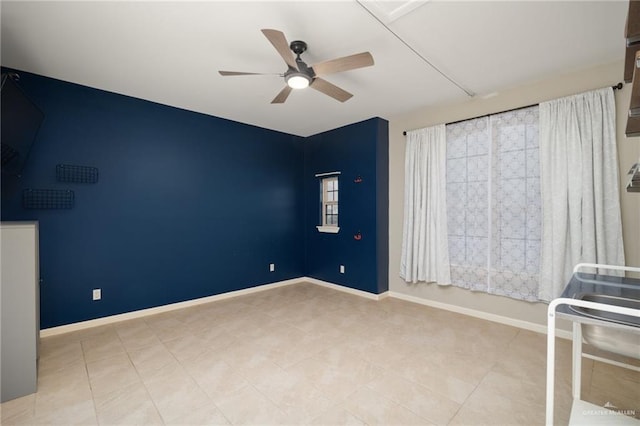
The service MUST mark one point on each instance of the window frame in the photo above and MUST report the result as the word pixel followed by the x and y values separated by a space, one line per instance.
pixel 326 201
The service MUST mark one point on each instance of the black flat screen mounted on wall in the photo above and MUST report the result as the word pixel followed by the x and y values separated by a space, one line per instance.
pixel 21 120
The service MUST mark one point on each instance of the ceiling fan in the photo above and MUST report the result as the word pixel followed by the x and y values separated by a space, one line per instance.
pixel 299 75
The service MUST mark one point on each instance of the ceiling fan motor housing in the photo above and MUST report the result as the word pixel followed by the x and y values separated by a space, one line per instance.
pixel 298 47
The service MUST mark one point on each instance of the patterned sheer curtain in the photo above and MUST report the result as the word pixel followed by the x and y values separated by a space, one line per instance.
pixel 493 203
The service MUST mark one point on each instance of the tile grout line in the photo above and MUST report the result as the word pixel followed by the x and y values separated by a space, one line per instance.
pixel 195 382
pixel 515 336
pixel 86 370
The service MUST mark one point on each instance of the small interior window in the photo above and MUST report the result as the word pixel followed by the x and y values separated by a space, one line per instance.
pixel 330 201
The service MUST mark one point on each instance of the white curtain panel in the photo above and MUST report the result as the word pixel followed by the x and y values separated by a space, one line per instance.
pixel 579 187
pixel 425 248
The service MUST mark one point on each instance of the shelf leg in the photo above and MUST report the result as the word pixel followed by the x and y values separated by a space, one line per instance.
pixel 551 355
pixel 576 376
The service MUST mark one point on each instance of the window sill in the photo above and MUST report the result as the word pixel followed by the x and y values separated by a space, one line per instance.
pixel 328 229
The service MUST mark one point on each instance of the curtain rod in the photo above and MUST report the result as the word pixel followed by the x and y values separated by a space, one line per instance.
pixel 614 87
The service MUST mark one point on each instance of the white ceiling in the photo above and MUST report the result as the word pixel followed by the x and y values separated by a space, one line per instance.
pixel 170 52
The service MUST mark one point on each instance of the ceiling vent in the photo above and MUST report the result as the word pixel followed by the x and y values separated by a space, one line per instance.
pixel 389 11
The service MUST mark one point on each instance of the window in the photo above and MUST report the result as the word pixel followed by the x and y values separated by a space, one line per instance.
pixel 329 204
pixel 330 201
pixel 494 205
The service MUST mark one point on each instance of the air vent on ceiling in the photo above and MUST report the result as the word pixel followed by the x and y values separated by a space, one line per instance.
pixel 389 11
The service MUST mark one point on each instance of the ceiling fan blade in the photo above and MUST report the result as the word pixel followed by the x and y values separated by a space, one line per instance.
pixel 359 60
pixel 279 41
pixel 282 96
pixel 230 73
pixel 330 89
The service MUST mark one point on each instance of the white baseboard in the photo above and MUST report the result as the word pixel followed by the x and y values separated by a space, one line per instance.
pixel 526 325
pixel 349 290
pixel 164 308
pixel 53 331
pixel 180 305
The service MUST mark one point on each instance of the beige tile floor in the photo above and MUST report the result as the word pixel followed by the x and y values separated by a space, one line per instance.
pixel 305 354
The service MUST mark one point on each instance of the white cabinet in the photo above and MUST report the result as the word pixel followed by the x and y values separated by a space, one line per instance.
pixel 20 302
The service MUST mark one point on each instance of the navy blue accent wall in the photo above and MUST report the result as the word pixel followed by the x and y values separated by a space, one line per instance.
pixel 382 205
pixel 187 205
pixel 356 150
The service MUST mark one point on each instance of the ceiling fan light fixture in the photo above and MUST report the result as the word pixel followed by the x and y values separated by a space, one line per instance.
pixel 298 80
pixel 299 75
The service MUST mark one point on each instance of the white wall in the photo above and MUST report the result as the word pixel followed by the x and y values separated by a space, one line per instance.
pixel 559 86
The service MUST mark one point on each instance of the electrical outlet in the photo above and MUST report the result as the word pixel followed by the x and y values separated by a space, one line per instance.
pixel 97 294
pixel 272 267
pixel 342 269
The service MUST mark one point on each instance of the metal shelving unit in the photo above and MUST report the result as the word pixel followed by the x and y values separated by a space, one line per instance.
pixel 582 412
